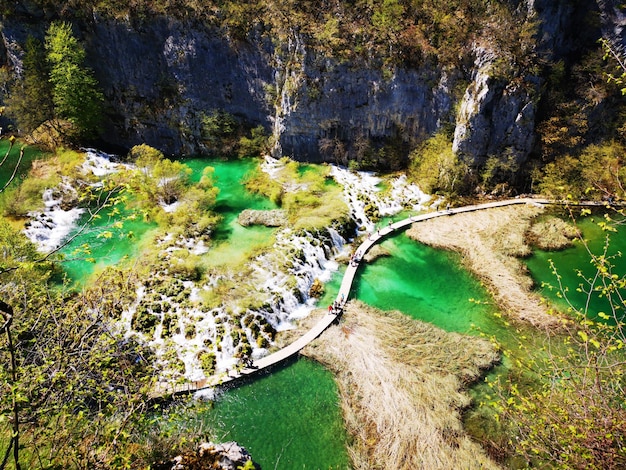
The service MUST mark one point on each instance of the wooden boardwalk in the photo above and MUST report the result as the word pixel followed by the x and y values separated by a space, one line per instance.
pixel 343 295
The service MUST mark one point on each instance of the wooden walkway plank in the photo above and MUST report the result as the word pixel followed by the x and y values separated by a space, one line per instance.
pixel 343 295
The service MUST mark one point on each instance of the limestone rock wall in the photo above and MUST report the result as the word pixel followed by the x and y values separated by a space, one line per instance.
pixel 162 76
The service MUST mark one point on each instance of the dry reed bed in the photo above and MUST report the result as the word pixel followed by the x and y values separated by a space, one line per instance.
pixel 401 382
pixel 490 242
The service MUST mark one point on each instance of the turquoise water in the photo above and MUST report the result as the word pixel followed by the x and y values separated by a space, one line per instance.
pixel 231 242
pixel 429 285
pixel 290 419
pixel 569 261
pixel 287 420
pixel 90 251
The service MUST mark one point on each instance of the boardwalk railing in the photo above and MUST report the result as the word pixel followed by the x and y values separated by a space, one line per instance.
pixel 343 294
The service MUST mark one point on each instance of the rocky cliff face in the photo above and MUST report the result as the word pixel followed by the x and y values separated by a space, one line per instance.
pixel 162 77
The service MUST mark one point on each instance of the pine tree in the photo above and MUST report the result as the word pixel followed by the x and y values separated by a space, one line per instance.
pixel 75 92
pixel 31 101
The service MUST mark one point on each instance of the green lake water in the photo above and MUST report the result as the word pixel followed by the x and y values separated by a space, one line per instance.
pixel 7 169
pixel 231 242
pixel 79 265
pixel 569 261
pixel 289 419
pixel 427 284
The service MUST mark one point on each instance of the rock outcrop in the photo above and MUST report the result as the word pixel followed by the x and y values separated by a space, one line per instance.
pixel 226 456
pixel 275 218
pixel 163 76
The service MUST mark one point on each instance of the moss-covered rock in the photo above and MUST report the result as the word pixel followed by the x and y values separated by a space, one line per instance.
pixel 273 218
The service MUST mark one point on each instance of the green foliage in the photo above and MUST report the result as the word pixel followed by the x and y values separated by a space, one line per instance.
pixel 18 201
pixel 387 17
pixel 145 157
pixel 260 182
pixel 75 92
pixel 311 202
pixel 158 179
pixel 498 172
pixel 219 132
pixel 207 362
pixel 619 74
pixel 598 173
pixel 573 417
pixel 31 101
pixel 435 167
pixel 255 145
pixel 73 374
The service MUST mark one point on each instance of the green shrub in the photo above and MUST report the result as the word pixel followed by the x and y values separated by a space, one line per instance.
pixel 207 362
pixel 144 321
pixel 435 167
pixel 190 330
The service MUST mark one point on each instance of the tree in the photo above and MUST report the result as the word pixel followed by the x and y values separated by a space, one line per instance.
pixel 31 101
pixel 69 382
pixel 435 167
pixel 161 180
pixel 75 92
pixel 574 417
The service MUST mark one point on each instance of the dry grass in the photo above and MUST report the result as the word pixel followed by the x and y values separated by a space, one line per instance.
pixel 375 252
pixel 552 234
pixel 491 241
pixel 400 382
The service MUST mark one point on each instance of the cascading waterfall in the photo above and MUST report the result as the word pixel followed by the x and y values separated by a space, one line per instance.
pixel 367 201
pixel 50 227
pixel 281 277
pixel 310 257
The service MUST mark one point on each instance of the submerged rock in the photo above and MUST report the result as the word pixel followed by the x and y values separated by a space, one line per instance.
pixel 274 218
pixel 225 456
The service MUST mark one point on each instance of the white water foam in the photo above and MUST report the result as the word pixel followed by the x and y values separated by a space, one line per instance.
pixel 362 188
pixel 49 228
pixel 101 164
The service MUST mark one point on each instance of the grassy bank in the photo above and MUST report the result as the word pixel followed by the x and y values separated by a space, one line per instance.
pixel 401 384
pixel 491 243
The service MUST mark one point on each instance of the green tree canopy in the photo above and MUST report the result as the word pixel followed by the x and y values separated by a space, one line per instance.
pixel 75 92
pixel 31 102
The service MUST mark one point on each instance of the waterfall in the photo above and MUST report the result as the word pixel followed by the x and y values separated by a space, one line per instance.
pixel 367 201
pixel 308 257
pixel 100 164
pixel 48 228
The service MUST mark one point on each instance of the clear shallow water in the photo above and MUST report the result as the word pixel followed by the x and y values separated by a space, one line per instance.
pixel 570 260
pixel 287 420
pixel 232 242
pixel 429 285
pixel 103 251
